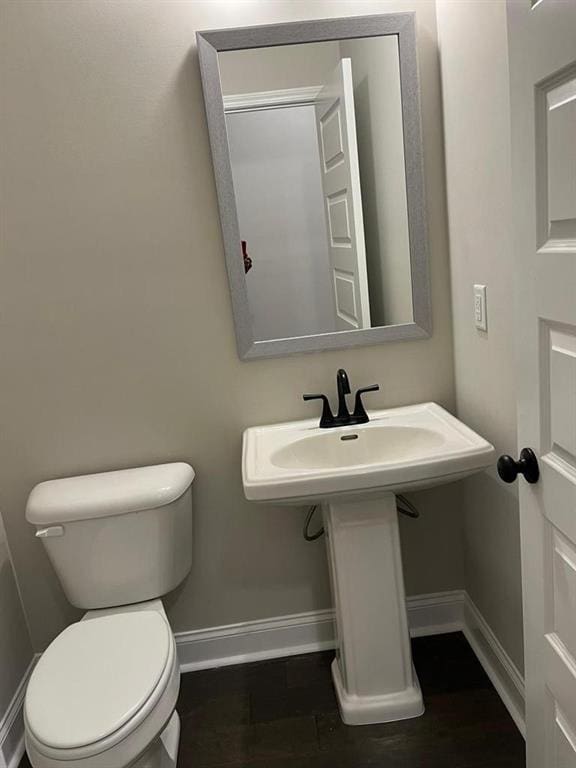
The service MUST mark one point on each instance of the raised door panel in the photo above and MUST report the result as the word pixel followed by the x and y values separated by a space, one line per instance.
pixel 331 139
pixel 342 199
pixel 561 738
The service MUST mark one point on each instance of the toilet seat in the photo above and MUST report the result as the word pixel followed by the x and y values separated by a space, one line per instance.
pixel 107 684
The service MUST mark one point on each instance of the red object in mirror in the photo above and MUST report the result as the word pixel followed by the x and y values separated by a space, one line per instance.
pixel 247 259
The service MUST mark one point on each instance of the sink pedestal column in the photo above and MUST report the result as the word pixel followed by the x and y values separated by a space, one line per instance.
pixel 373 673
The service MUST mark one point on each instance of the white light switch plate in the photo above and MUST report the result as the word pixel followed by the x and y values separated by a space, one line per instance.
pixel 480 317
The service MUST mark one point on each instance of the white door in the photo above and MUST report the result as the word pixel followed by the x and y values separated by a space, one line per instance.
pixel 542 41
pixel 339 169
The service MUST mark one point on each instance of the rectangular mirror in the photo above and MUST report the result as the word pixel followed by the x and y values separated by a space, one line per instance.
pixel 316 142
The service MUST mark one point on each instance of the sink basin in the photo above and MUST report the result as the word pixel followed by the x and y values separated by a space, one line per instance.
pixel 357 448
pixel 398 449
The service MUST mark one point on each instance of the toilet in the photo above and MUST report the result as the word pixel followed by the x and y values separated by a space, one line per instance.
pixel 103 694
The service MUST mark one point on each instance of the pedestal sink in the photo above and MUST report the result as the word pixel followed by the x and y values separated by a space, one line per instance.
pixel 354 472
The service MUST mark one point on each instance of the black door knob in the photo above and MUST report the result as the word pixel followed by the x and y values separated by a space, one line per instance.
pixel 527 465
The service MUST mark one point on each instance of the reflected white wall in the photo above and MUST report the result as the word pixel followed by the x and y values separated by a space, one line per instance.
pixel 267 69
pixel 276 169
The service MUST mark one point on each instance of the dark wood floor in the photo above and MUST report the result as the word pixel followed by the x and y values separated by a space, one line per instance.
pixel 283 714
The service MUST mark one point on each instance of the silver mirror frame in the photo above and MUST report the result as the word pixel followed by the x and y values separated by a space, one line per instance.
pixel 293 33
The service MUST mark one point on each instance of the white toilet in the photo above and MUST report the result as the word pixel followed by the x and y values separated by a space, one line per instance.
pixel 103 694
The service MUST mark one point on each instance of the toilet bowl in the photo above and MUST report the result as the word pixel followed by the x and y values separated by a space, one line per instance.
pixel 103 694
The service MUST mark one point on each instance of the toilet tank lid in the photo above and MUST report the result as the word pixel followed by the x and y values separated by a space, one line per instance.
pixel 107 493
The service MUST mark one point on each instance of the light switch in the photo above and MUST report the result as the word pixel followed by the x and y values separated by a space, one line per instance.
pixel 480 318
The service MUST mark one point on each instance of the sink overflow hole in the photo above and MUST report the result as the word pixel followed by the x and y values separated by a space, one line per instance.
pixel 349 437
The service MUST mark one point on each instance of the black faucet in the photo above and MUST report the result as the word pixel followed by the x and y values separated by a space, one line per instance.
pixel 343 387
pixel 343 418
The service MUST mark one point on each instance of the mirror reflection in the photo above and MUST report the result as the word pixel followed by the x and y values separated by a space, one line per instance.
pixel 316 143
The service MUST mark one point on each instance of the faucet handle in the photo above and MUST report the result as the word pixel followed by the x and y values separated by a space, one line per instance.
pixel 327 419
pixel 360 416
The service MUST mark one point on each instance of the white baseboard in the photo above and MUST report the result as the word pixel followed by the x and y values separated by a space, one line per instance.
pixel 256 640
pixel 303 633
pixel 249 641
pixel 499 667
pixel 436 613
pixel 12 725
pixel 432 614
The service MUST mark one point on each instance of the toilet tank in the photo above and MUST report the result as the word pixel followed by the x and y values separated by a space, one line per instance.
pixel 117 538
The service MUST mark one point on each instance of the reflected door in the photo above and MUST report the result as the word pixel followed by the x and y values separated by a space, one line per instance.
pixel 542 42
pixel 336 126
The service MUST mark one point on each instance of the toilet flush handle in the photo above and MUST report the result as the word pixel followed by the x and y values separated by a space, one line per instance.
pixel 48 533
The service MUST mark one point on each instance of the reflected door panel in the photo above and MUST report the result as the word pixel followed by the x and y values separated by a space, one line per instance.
pixel 340 173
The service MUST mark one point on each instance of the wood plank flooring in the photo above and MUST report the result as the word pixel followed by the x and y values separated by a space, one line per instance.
pixel 283 714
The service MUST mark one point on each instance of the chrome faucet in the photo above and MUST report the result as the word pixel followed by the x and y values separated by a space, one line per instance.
pixel 343 418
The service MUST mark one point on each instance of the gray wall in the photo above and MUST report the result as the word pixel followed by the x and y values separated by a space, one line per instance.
pixel 15 645
pixel 474 56
pixel 117 337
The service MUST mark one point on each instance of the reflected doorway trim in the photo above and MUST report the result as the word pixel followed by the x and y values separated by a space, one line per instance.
pixel 403 26
pixel 285 97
